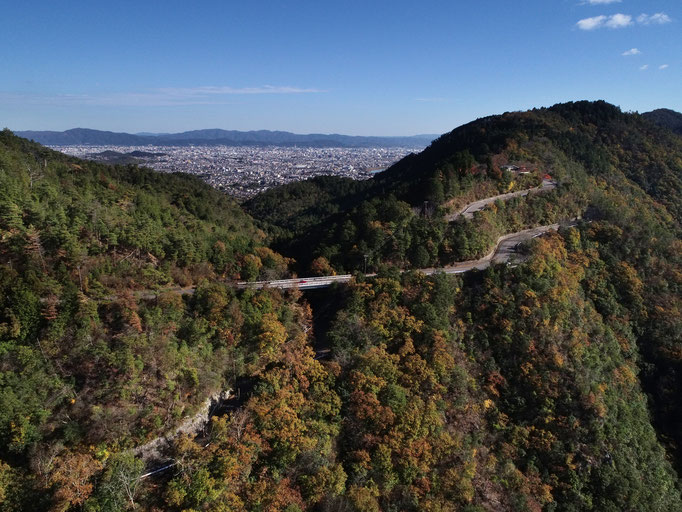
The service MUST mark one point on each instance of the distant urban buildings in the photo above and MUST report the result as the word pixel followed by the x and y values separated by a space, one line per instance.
pixel 244 171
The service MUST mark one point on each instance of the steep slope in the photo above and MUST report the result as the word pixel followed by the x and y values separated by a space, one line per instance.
pixel 397 217
pixel 517 388
pixel 551 385
pixel 612 167
pixel 96 349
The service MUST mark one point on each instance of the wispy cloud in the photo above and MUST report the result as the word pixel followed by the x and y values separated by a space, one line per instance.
pixel 644 67
pixel 631 51
pixel 431 100
pixel 222 90
pixel 163 97
pixel 613 21
pixel 663 66
pixel 660 18
pixel 602 2
pixel 622 20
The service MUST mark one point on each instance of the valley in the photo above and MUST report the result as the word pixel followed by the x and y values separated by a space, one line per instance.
pixel 462 338
pixel 244 171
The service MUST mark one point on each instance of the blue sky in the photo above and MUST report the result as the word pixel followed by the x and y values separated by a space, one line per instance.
pixel 344 66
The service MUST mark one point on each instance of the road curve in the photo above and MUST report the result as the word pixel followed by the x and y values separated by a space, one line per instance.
pixel 469 210
pixel 504 251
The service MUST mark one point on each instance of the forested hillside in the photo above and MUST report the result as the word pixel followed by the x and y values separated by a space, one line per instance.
pixel 513 389
pixel 89 368
pixel 551 385
pixel 666 118
pixel 398 217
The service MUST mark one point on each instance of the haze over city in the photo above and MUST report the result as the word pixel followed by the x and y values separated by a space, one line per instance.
pixel 383 68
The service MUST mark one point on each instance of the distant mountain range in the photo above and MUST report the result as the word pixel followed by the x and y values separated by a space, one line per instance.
pixel 84 136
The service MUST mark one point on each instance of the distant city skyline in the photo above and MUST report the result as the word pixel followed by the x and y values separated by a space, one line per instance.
pixel 383 68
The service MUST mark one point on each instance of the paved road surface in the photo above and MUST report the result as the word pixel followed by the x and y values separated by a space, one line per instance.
pixel 505 251
pixel 469 210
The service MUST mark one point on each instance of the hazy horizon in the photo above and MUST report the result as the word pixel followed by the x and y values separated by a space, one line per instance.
pixel 151 134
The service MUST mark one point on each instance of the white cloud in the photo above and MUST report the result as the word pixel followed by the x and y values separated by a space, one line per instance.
pixel 591 23
pixel 603 2
pixel 663 66
pixel 613 21
pixel 660 18
pixel 631 51
pixel 431 100
pixel 623 20
pixel 164 97
pixel 644 67
pixel 619 21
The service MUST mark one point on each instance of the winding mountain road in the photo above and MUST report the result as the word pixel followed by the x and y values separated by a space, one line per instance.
pixel 504 251
pixel 469 210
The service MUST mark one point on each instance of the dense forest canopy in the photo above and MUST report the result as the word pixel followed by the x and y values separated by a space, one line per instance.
pixel 549 385
pixel 666 118
pixel 83 360
pixel 397 218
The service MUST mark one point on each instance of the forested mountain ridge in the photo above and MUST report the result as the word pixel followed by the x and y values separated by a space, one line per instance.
pixel 551 385
pixel 666 118
pixel 526 388
pixel 397 217
pixel 75 209
pixel 83 360
pixel 621 172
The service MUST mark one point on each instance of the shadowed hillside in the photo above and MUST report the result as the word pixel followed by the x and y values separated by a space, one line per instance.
pixel 666 118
